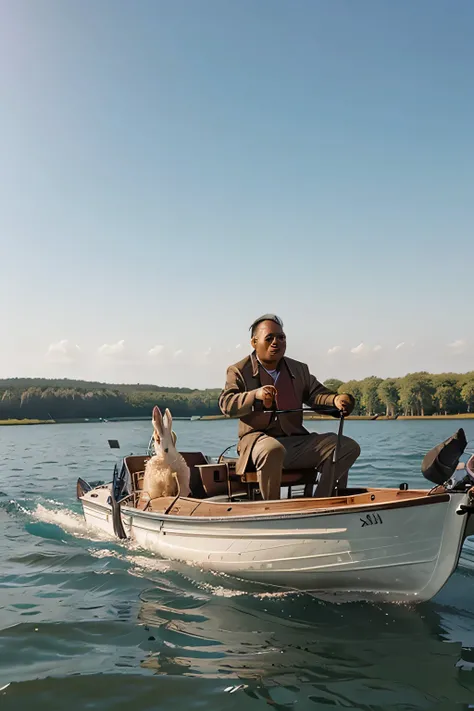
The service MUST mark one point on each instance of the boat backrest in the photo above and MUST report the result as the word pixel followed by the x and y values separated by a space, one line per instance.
pixel 136 463
pixel 193 460
pixel 136 468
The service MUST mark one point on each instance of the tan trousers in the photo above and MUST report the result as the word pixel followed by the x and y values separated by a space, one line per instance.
pixel 270 456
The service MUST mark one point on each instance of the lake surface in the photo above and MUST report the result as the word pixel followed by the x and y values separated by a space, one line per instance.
pixel 87 623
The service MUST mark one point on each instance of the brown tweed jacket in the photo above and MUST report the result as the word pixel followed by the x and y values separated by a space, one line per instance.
pixel 237 399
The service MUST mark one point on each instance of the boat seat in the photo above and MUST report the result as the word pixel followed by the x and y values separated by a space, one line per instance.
pixel 216 478
pixel 290 478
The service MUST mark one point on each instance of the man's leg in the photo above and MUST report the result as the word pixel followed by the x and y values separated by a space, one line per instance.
pixel 348 453
pixel 316 450
pixel 267 457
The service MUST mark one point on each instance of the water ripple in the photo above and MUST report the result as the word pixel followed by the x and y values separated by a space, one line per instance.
pixel 100 623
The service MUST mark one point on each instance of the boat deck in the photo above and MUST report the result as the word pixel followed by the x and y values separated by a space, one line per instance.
pixel 374 498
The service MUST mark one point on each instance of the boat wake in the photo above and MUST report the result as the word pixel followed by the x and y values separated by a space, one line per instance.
pixel 54 513
pixel 68 521
pixel 140 565
pixel 144 565
pixel 54 517
pixel 140 562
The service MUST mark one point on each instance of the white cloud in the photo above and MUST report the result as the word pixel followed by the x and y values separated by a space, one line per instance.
pixel 156 350
pixel 377 348
pixel 334 349
pixel 112 350
pixel 62 352
pixel 400 345
pixel 358 350
pixel 458 346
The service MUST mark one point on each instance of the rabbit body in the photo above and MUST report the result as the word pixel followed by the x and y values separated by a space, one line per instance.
pixel 166 473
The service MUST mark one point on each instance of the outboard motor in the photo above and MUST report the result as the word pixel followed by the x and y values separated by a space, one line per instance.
pixel 440 464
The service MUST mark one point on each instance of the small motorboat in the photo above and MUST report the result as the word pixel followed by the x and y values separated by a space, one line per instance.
pixel 388 544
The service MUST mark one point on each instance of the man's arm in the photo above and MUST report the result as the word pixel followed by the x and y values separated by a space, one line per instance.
pixel 235 400
pixel 320 395
pixel 317 394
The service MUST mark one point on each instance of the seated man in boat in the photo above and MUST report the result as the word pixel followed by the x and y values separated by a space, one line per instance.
pixel 270 443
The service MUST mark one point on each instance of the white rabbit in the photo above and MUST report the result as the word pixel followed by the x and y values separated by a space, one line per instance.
pixel 167 468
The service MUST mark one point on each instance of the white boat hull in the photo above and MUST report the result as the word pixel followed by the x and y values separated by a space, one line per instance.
pixel 387 552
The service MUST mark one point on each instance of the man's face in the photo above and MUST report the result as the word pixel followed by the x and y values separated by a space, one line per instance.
pixel 269 342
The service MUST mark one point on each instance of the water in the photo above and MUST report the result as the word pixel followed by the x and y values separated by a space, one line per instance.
pixel 88 623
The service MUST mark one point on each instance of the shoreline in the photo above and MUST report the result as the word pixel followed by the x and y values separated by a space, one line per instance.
pixel 368 418
pixel 14 422
pixel 212 418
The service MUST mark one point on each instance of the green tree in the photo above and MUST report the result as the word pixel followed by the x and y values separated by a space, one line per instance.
pixel 388 394
pixel 467 394
pixel 407 397
pixel 333 384
pixel 448 398
pixel 416 393
pixel 370 398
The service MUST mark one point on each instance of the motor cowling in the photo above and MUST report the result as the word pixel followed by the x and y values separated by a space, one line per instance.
pixel 440 463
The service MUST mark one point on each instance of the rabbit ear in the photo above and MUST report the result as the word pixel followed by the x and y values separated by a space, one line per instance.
pixel 168 420
pixel 158 421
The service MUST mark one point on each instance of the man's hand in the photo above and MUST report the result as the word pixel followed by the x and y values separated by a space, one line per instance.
pixel 345 403
pixel 268 394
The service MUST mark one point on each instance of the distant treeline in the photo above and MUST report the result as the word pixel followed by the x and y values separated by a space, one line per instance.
pixel 40 398
pixel 43 399
pixel 414 394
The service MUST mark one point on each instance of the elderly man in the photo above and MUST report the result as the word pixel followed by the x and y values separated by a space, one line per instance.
pixel 269 444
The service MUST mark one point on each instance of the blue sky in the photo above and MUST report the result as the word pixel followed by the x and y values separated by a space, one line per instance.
pixel 170 170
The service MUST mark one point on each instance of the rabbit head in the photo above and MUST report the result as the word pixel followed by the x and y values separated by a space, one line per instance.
pixel 163 435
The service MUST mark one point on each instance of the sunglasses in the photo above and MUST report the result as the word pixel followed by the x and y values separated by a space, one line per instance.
pixel 272 336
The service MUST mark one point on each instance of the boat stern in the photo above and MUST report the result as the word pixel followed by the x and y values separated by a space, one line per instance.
pixel 96 506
